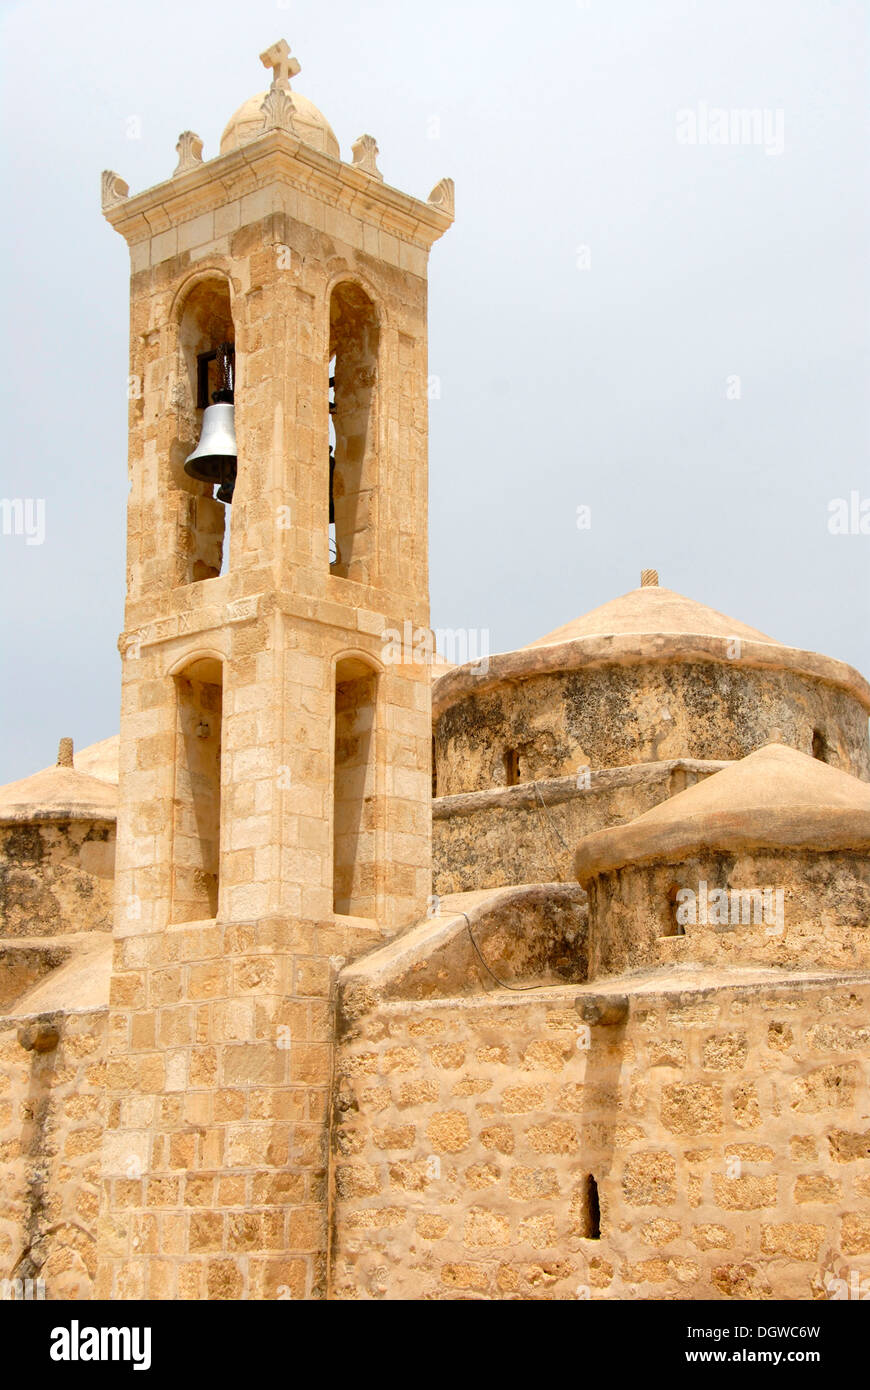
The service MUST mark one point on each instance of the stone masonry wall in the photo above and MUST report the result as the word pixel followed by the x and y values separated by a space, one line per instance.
pixel 824 922
pixel 52 1114
pixel 613 715
pixel 56 876
pixel 726 1129
pixel 218 1082
pixel 528 834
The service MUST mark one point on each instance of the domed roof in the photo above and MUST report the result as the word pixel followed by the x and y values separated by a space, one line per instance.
pixel 58 793
pixel 651 610
pixel 100 759
pixel 776 798
pixel 649 624
pixel 249 121
pixel 62 792
pixel 313 127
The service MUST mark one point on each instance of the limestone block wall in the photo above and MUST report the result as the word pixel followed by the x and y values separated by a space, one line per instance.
pixel 52 1115
pixel 278 253
pixel 221 1024
pixel 279 620
pixel 218 1085
pixel 608 716
pixel 56 877
pixel 725 1127
pixel 24 961
pixel 528 834
pixel 821 920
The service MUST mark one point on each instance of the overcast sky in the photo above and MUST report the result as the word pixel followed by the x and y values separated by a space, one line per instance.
pixel 671 334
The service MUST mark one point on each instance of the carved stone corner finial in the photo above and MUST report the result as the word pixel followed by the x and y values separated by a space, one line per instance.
pixel 189 150
pixel 443 196
pixel 278 110
pixel 283 66
pixel 113 189
pixel 365 153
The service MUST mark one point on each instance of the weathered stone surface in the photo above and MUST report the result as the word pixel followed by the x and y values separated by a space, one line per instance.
pixel 291 1069
pixel 715 1191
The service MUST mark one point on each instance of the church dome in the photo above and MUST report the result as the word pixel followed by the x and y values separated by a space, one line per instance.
pixel 67 791
pixel 649 677
pixel 776 798
pixel 649 624
pixel 246 125
pixel 767 862
pixel 58 793
pixel 651 610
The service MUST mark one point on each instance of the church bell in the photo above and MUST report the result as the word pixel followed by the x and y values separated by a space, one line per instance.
pixel 214 458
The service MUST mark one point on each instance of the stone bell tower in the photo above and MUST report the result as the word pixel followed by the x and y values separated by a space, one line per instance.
pixel 275 766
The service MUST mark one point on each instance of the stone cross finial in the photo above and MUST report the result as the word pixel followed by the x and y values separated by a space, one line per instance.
pixel 649 579
pixel 283 66
pixel 65 753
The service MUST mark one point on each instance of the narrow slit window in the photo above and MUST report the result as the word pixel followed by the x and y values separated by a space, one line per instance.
pixel 675 926
pixel 512 767
pixel 593 1209
pixel 820 746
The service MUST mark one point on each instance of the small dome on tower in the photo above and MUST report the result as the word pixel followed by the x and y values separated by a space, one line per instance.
pixel 248 122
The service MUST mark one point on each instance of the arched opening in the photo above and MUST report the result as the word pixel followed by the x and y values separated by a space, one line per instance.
pixel 353 356
pixel 196 806
pixel 820 746
pixel 206 348
pixel 355 802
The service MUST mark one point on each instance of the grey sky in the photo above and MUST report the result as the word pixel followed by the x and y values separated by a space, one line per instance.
pixel 561 386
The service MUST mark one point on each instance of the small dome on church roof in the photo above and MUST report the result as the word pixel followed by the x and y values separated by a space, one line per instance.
pixel 651 610
pixel 100 759
pixel 62 792
pixel 58 793
pixel 776 798
pixel 247 123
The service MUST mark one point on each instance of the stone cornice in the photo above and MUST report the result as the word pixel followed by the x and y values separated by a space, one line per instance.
pixel 209 606
pixel 556 790
pixel 589 653
pixel 277 158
